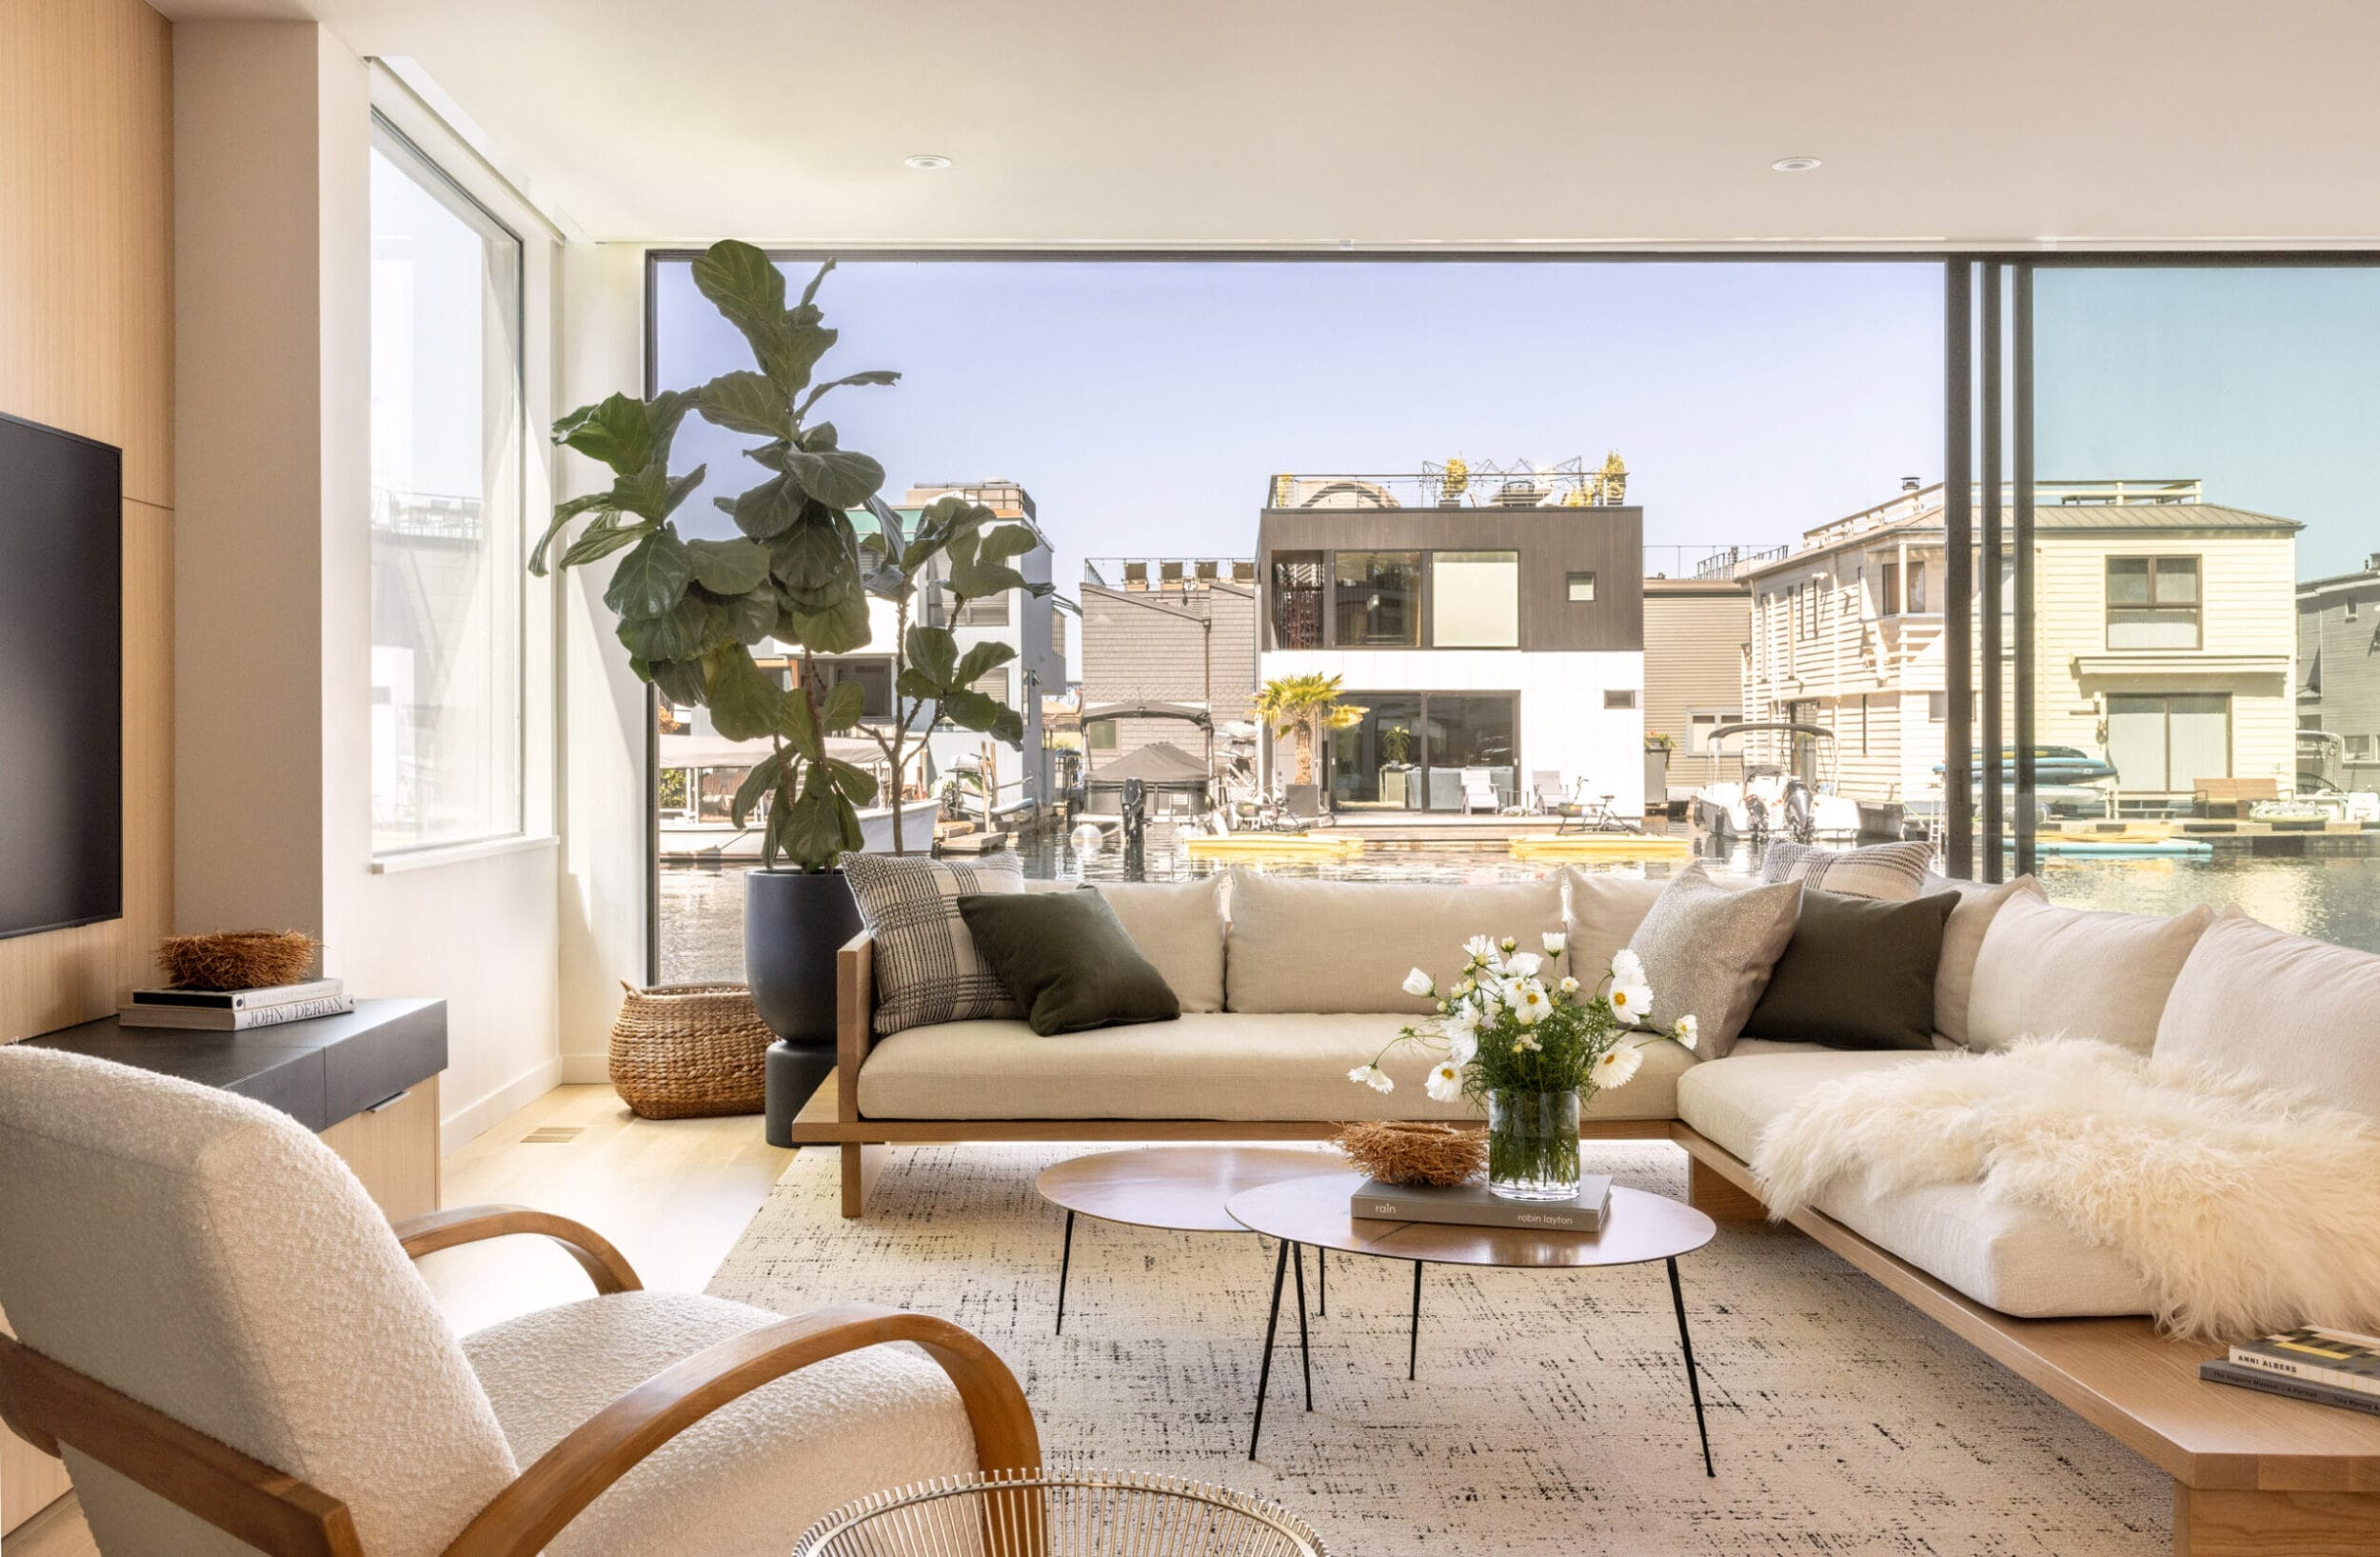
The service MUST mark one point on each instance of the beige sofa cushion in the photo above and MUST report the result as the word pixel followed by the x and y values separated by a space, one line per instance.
pixel 1224 1064
pixel 1962 941
pixel 2046 971
pixel 1178 926
pixel 1708 951
pixel 1604 911
pixel 1892 872
pixel 1346 946
pixel 2290 1011
pixel 736 1481
pixel 2019 1260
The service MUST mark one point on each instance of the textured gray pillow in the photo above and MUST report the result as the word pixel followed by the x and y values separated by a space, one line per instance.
pixel 1890 872
pixel 927 969
pixel 1708 953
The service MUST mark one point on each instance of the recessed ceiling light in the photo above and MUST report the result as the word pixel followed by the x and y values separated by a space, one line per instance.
pixel 1794 165
pixel 926 162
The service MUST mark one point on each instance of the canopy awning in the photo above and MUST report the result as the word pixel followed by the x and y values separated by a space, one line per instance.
pixel 1160 765
pixel 1149 710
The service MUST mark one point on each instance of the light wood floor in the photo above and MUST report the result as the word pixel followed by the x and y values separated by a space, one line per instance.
pixel 673 1194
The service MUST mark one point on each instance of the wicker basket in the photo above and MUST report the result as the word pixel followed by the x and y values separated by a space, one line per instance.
pixel 686 1051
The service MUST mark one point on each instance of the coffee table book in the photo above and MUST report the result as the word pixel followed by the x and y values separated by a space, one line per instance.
pixel 2218 1371
pixel 239 1000
pixel 2336 1359
pixel 1473 1206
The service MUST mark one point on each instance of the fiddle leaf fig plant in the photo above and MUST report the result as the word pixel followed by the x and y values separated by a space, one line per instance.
pixel 691 610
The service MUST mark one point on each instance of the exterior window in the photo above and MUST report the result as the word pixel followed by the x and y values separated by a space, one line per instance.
pixel 1100 736
pixel 1698 729
pixel 1889 590
pixel 2152 603
pixel 446 472
pixel 990 611
pixel 1377 600
pixel 1917 606
pixel 874 674
pixel 2361 748
pixel 1297 600
pixel 1937 707
pixel 1475 599
pixel 1581 589
pixel 2167 744
pixel 1619 697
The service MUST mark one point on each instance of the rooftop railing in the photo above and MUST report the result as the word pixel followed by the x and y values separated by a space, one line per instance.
pixel 1566 484
pixel 1167 572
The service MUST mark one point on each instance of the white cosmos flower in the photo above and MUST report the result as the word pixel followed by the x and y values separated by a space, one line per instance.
pixel 1462 1046
pixel 1556 942
pixel 1530 1003
pixel 1373 1077
pixel 1529 1041
pixel 1688 1030
pixel 1631 1002
pixel 1478 949
pixel 1445 1083
pixel 1627 968
pixel 1569 985
pixel 1523 963
pixel 1508 943
pixel 1418 983
pixel 1617 1066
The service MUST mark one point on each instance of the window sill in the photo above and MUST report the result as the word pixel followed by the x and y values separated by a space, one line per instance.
pixel 424 859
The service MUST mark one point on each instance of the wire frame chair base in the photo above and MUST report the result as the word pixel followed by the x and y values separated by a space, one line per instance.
pixel 1037 1514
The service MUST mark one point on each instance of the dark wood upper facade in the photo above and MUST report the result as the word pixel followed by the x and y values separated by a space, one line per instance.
pixel 1554 545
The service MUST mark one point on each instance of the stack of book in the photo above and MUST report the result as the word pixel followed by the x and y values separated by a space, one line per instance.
pixel 2330 1367
pixel 235 1010
pixel 1472 1206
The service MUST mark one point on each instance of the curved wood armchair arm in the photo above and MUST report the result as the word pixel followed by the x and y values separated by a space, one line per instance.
pixel 605 1265
pixel 525 1516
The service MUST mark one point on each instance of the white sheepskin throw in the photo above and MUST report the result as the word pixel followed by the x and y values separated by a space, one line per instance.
pixel 2245 1210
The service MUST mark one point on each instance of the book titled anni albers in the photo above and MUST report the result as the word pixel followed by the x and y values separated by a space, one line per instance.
pixel 235 1010
pixel 2332 1368
pixel 1472 1206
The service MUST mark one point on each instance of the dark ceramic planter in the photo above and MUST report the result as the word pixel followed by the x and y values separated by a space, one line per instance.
pixel 792 926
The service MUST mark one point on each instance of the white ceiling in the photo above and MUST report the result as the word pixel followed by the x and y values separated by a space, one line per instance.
pixel 1405 123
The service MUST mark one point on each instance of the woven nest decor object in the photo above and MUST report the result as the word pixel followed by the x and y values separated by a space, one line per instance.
pixel 1396 1151
pixel 1090 1513
pixel 690 1050
pixel 240 959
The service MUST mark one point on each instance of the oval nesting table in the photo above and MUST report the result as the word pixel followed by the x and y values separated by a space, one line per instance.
pixel 1317 1210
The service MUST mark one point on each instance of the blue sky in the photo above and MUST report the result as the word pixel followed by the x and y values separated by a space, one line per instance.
pixel 1146 404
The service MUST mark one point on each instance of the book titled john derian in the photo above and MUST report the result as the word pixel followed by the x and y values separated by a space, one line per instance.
pixel 234 1010
pixel 1472 1206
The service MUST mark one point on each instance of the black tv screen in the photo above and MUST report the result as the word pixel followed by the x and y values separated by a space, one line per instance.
pixel 61 679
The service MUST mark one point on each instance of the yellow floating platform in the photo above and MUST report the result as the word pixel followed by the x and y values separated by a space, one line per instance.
pixel 1278 846
pixel 1601 846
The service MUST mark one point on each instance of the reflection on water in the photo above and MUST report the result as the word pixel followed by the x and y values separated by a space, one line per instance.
pixel 2330 898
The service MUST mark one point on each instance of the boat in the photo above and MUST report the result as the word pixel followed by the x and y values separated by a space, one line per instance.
pixel 721 842
pixel 699 775
pixel 1601 846
pixel 1770 801
pixel 2119 849
pixel 2315 785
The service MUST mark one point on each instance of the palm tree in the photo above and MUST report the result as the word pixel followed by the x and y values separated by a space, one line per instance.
pixel 1301 706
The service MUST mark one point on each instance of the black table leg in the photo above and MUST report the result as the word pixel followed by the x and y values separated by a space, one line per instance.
pixel 1677 1301
pixel 1305 1356
pixel 1264 1374
pixel 1065 1260
pixel 1321 1282
pixel 1413 1353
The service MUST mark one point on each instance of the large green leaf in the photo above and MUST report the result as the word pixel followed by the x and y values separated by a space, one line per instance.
pixel 728 568
pixel 744 702
pixel 1007 541
pixel 563 512
pixel 800 726
pixel 758 782
pixel 768 511
pixel 820 825
pixel 650 493
pixel 746 402
pixel 873 376
pixel 857 784
pixel 743 284
pixel 600 539
pixel 820 439
pixel 973 711
pixel 818 556
pixel 751 617
pixel 837 628
pixel 677 633
pixel 842 707
pixel 840 480
pixel 979 579
pixel 681 681
pixel 651 579
pixel 618 430
pixel 980 661
pixel 934 653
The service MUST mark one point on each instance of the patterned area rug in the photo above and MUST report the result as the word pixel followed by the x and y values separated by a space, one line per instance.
pixel 1551 1414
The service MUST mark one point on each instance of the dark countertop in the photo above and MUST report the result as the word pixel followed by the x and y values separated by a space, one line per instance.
pixel 319 1072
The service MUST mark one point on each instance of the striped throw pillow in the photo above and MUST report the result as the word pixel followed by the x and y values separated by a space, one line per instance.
pixel 927 969
pixel 1888 872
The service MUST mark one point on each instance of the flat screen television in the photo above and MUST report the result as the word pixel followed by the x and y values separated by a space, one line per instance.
pixel 61 679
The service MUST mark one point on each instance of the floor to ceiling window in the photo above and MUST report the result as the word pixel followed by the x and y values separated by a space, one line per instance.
pixel 447 477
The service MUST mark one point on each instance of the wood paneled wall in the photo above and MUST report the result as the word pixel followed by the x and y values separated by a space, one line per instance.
pixel 87 343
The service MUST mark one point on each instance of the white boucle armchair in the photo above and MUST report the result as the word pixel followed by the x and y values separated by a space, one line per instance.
pixel 230 1347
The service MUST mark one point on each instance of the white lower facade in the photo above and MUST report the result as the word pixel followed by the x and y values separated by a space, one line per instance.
pixel 1580 715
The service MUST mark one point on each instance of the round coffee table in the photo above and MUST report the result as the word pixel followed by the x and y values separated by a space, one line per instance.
pixel 1184 1189
pixel 1316 1210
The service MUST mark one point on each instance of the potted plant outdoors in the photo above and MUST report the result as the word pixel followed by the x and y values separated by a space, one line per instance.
pixel 1659 747
pixel 1396 764
pixel 1302 706
pixel 691 612
pixel 1530 1044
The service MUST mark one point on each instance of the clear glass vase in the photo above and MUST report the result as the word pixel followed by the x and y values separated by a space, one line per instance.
pixel 1532 1145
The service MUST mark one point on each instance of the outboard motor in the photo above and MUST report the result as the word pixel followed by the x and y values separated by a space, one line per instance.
pixel 1136 824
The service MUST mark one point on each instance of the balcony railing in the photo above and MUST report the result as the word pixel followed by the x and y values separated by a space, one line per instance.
pixel 1484 483
pixel 427 516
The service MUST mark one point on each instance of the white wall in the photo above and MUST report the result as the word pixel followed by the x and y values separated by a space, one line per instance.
pixel 273 684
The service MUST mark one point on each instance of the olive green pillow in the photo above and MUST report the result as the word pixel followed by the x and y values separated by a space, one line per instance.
pixel 1066 959
pixel 1859 973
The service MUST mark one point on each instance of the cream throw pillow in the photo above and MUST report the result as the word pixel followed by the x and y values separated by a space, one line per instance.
pixel 1178 927
pixel 1890 872
pixel 1962 940
pixel 2047 973
pixel 1708 951
pixel 2291 1013
pixel 1346 946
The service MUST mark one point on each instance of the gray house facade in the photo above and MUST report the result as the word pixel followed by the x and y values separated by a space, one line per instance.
pixel 2338 658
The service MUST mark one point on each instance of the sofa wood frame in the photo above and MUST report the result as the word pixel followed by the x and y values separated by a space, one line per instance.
pixel 52 1405
pixel 2254 1475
